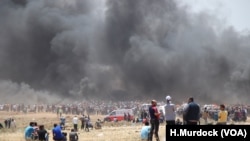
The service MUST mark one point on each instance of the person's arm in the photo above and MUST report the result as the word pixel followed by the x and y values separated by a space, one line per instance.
pixel 164 111
pixel 156 112
pixel 219 115
pixel 53 133
pixel 185 111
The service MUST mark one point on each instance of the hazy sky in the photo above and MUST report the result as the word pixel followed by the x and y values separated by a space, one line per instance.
pixel 235 12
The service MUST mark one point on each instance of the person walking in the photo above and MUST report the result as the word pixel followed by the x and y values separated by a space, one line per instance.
pixel 169 108
pixel 154 121
pixel 191 112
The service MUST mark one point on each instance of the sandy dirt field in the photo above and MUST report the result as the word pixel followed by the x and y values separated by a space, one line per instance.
pixel 121 131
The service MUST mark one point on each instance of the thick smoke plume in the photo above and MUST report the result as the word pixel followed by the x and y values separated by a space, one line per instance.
pixel 119 50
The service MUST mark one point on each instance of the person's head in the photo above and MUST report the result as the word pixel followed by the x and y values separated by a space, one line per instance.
pixel 168 98
pixel 146 123
pixel 190 99
pixel 55 124
pixel 32 124
pixel 72 130
pixel 41 127
pixel 154 102
pixel 222 107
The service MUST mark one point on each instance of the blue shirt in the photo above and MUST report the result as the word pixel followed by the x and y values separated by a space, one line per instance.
pixel 57 132
pixel 28 131
pixel 145 132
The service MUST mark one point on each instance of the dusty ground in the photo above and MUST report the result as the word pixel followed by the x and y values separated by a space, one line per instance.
pixel 122 131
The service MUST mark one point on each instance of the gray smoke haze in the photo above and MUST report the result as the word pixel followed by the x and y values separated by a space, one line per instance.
pixel 127 49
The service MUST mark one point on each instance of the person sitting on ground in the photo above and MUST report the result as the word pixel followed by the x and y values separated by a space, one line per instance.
pixel 73 136
pixel 145 131
pixel 57 133
pixel 29 130
pixel 42 134
pixel 178 122
pixel 98 124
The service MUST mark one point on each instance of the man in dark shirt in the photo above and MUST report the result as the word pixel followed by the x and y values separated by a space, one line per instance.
pixel 73 136
pixel 154 121
pixel 191 113
pixel 42 133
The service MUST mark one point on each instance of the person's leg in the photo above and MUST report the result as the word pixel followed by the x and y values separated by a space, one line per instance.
pixel 157 123
pixel 47 137
pixel 87 126
pixel 75 127
pixel 152 122
pixel 81 126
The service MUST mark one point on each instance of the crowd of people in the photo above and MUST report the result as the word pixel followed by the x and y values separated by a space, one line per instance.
pixel 190 113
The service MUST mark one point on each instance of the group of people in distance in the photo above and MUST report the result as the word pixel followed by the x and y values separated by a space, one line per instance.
pixel 191 116
pixel 34 132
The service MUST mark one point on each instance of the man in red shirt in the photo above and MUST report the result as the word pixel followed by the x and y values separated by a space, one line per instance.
pixel 154 121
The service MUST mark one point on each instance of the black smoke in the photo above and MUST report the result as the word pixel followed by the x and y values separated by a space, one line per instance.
pixel 66 49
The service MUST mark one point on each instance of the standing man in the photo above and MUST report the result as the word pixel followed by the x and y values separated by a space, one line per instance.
pixel 191 113
pixel 154 121
pixel 169 111
pixel 62 122
pixel 75 123
pixel 205 115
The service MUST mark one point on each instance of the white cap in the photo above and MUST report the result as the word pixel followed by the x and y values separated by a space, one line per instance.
pixel 168 97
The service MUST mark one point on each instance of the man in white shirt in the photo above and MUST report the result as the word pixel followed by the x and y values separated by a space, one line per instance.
pixel 75 123
pixel 170 114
